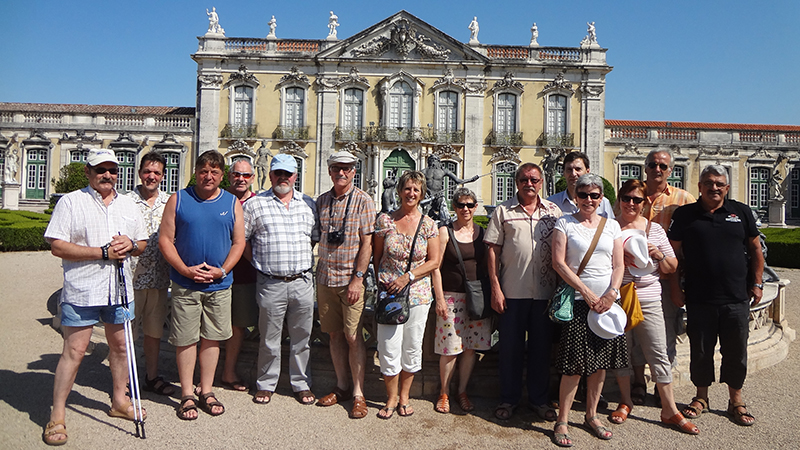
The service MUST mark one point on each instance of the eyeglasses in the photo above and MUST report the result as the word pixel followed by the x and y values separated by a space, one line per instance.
pixel 526 180
pixel 712 184
pixel 460 205
pixel 628 199
pixel 337 169
pixel 662 166
pixel 102 170
pixel 244 175
pixel 593 195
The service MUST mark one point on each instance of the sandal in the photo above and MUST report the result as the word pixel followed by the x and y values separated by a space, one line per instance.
pixel 301 397
pixel 183 409
pixel 464 402
pixel 236 385
pixel 545 412
pixel 159 386
pixel 360 409
pixel 738 415
pixel 682 423
pixel 638 393
pixel 692 412
pixel 264 396
pixel 387 411
pixel 600 431
pixel 207 403
pixel 621 414
pixel 443 404
pixel 403 411
pixel 50 430
pixel 504 411
pixel 562 439
pixel 128 412
pixel 337 395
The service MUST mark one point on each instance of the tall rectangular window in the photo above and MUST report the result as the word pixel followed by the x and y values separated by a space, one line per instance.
pixel 759 187
pixel 557 115
pixel 629 172
pixel 353 109
pixel 126 180
pixel 676 177
pixel 449 185
pixel 169 183
pixel 400 101
pixel 295 99
pixel 447 114
pixel 506 113
pixel 298 183
pixel 505 186
pixel 243 106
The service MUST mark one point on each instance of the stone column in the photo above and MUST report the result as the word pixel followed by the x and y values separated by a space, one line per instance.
pixel 327 102
pixel 473 135
pixel 593 124
pixel 208 127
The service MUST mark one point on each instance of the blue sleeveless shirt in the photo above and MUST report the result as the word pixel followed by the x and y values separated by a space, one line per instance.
pixel 203 230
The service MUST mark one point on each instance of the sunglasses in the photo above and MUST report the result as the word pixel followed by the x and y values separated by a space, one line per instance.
pixel 593 195
pixel 526 180
pixel 337 169
pixel 652 165
pixel 244 175
pixel 102 170
pixel 460 205
pixel 628 199
pixel 282 173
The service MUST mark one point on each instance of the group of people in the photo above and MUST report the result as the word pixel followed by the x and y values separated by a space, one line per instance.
pixel 236 260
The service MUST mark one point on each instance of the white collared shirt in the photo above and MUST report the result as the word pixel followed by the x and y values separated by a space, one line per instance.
pixel 82 218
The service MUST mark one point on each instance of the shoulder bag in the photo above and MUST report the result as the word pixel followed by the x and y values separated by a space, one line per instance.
pixel 392 309
pixel 560 307
pixel 478 292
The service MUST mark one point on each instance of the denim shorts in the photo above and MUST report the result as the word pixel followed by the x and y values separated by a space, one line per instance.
pixel 84 316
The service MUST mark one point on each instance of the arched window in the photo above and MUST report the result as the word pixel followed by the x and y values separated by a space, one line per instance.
pixel 505 186
pixel 400 104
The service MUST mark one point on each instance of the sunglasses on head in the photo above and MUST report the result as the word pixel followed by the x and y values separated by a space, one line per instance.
pixel 593 195
pixel 102 170
pixel 628 199
pixel 460 205
pixel 244 175
pixel 662 166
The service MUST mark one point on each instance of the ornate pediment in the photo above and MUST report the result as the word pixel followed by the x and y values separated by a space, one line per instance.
pixel 508 82
pixel 353 79
pixel 242 76
pixel 168 142
pixel 404 39
pixel 210 81
pixel 447 151
pixel 718 151
pixel 240 146
pixel 354 149
pixel 291 148
pixel 295 76
pixel 80 136
pixel 761 156
pixel 505 154
pixel 558 84
pixel 125 140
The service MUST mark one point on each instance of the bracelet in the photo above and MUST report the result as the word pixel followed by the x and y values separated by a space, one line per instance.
pixel 134 246
pixel 105 250
pixel 224 273
pixel 411 276
pixel 616 291
pixel 663 257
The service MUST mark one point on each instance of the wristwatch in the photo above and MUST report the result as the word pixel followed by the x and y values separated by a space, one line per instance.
pixel 105 250
pixel 359 274
pixel 759 285
pixel 224 273
pixel 411 276
pixel 135 246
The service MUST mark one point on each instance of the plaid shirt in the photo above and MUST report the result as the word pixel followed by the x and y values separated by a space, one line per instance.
pixel 150 269
pixel 82 218
pixel 281 238
pixel 337 262
pixel 660 211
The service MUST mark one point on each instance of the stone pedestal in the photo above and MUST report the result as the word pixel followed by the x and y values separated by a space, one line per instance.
pixel 11 195
pixel 777 213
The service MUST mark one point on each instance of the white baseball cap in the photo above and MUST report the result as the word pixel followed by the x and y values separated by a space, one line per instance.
pixel 100 155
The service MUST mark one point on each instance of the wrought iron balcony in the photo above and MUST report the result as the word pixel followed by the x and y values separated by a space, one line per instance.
pixel 293 133
pixel 394 134
pixel 239 131
pixel 509 138
pixel 347 134
pixel 444 137
pixel 557 140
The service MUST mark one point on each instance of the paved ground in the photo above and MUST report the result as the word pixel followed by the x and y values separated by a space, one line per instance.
pixel 30 350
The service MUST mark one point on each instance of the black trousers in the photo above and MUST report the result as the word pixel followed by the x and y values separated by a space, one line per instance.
pixel 706 322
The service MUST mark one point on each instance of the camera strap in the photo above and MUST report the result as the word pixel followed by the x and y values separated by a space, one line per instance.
pixel 346 208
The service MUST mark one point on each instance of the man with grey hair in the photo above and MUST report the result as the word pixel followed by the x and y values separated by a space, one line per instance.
pixel 716 240
pixel 347 221
pixel 519 260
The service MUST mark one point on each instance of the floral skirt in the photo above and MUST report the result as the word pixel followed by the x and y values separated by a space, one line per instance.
pixel 458 332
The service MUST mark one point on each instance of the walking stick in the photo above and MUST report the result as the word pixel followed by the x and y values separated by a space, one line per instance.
pixel 136 395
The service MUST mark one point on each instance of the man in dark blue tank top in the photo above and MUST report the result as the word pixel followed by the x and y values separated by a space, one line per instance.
pixel 202 238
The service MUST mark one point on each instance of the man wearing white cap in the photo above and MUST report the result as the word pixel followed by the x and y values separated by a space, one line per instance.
pixel 91 230
pixel 347 221
pixel 281 228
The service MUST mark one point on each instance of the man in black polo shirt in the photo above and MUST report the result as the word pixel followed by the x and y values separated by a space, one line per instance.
pixel 718 247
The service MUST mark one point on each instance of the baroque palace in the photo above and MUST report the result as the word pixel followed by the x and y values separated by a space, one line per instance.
pixel 394 94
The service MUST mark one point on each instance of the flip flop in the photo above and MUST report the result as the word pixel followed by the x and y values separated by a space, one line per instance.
pixel 387 411
pixel 403 411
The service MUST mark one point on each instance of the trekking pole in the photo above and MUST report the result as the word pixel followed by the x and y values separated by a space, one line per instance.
pixel 136 396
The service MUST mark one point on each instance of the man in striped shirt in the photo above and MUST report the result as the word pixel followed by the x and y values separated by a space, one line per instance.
pixel 281 229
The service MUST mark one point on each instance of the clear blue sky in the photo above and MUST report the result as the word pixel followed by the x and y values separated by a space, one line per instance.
pixel 683 60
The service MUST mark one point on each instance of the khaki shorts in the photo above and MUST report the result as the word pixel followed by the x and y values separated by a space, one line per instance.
pixel 197 314
pixel 152 306
pixel 336 313
pixel 244 309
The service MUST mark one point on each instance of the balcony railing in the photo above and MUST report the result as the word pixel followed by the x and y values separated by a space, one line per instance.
pixel 350 134
pixel 628 133
pixel 444 137
pixel 294 133
pixel 557 140
pixel 239 131
pixel 510 138
pixel 396 134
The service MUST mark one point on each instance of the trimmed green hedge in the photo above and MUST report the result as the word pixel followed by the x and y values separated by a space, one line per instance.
pixel 23 231
pixel 783 247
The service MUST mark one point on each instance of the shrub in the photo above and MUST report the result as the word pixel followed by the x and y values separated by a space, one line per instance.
pixel 608 189
pixel 71 178
pixel 783 246
pixel 482 221
pixel 23 230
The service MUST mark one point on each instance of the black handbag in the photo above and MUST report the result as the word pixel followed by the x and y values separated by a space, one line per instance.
pixel 393 309
pixel 478 292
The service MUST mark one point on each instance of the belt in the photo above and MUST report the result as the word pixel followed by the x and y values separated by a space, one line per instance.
pixel 286 278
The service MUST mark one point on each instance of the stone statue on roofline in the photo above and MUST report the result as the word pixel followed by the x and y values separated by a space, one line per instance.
pixel 534 35
pixel 213 22
pixel 333 22
pixel 272 25
pixel 473 31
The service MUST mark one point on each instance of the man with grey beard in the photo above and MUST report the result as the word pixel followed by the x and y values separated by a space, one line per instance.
pixel 281 229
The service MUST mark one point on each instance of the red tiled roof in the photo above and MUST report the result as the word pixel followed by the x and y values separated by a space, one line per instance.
pixel 96 109
pixel 699 125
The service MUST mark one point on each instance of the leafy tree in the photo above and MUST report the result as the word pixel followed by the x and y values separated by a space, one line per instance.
pixel 71 178
pixel 224 184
